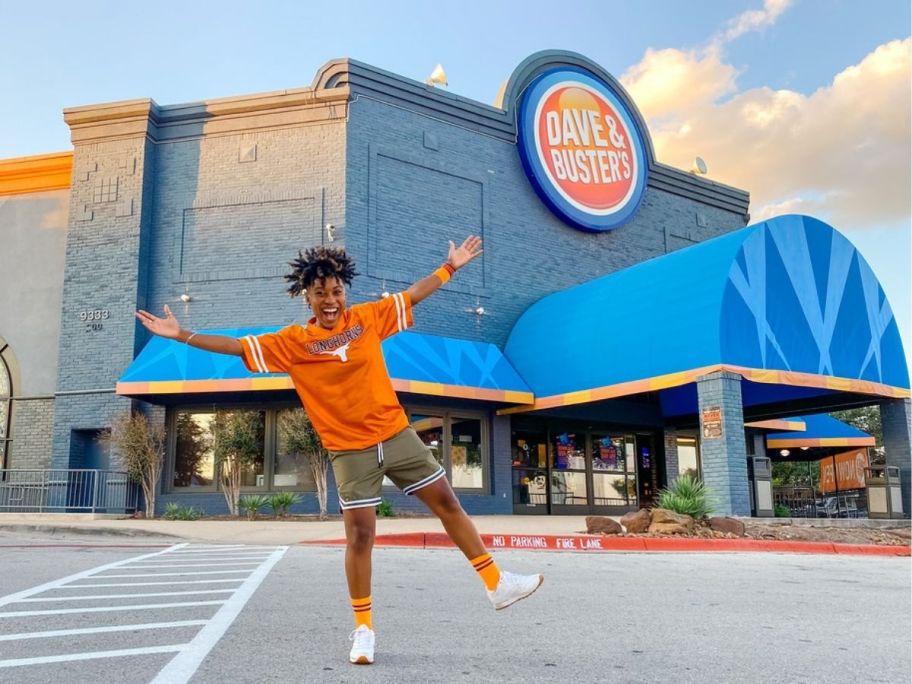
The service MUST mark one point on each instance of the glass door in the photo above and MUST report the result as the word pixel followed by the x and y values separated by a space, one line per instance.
pixel 614 477
pixel 530 473
pixel 569 490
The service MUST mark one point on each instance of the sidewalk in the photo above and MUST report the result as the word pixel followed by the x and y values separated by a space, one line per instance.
pixel 545 533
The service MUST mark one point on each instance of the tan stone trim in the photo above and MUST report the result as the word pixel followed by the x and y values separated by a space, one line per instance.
pixel 39 173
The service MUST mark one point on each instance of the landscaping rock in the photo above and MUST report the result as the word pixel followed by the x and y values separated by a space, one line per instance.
pixel 597 524
pixel 669 522
pixel 727 525
pixel 636 521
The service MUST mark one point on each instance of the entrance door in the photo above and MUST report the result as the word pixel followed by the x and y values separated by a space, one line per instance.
pixel 530 473
pixel 648 470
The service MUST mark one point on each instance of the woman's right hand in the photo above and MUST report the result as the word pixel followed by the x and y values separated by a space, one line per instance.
pixel 164 327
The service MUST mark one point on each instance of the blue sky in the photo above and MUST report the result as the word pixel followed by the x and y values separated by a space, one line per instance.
pixel 784 57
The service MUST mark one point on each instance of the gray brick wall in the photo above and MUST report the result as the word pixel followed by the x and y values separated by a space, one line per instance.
pixel 896 421
pixel 31 432
pixel 405 199
pixel 724 460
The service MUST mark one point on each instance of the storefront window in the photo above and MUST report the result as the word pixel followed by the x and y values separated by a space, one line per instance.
pixel 194 465
pixel 688 461
pixel 457 444
pixel 430 430
pixel 296 444
pixel 530 464
pixel 243 429
pixel 5 393
pixel 465 453
pixel 569 454
pixel 613 470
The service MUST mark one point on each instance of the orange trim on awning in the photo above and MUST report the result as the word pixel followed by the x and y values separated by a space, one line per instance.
pixel 784 425
pixel 773 377
pixel 823 442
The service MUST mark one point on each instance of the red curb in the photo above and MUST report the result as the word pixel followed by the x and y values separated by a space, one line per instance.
pixel 547 542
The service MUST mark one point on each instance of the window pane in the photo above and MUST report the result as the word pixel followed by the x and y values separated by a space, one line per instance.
pixel 194 465
pixel 608 452
pixel 568 453
pixel 613 490
pixel 687 457
pixel 4 414
pixel 4 380
pixel 242 431
pixel 296 442
pixel 430 430
pixel 465 453
pixel 568 488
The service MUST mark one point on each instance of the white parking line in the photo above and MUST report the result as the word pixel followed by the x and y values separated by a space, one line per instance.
pixel 150 584
pixel 141 594
pixel 178 574
pixel 18 662
pixel 101 630
pixel 258 556
pixel 190 565
pixel 13 598
pixel 187 662
pixel 108 609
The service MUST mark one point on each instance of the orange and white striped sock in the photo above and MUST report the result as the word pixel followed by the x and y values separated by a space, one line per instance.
pixel 487 569
pixel 362 609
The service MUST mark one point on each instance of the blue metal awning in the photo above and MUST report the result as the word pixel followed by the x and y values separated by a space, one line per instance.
pixel 788 303
pixel 820 430
pixel 418 363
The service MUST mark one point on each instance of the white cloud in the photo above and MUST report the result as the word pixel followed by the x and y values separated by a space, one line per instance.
pixel 841 152
pixel 750 21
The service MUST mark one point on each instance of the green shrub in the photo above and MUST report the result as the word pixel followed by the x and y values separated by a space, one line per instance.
pixel 385 509
pixel 687 495
pixel 253 505
pixel 280 502
pixel 174 511
pixel 782 511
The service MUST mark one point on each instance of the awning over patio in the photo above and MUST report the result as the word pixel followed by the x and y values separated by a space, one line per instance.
pixel 421 364
pixel 789 304
pixel 821 430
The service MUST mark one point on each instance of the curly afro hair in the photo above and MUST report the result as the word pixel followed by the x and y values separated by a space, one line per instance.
pixel 318 263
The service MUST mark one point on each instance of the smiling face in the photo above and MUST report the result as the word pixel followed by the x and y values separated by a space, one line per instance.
pixel 326 297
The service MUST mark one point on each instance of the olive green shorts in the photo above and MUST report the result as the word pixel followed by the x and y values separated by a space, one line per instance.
pixel 404 458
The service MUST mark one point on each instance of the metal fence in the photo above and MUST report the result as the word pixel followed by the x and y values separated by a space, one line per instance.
pixel 67 491
pixel 804 502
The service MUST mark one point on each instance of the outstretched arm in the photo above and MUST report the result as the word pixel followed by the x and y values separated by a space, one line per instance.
pixel 169 327
pixel 457 258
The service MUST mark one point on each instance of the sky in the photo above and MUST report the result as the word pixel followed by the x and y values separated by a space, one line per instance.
pixel 804 103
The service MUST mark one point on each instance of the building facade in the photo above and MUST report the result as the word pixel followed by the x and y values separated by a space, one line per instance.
pixel 201 206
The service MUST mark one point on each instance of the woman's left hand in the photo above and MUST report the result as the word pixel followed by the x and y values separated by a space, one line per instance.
pixel 468 250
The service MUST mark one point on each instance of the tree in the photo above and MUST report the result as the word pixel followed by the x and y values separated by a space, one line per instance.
pixel 142 451
pixel 300 439
pixel 193 445
pixel 866 419
pixel 237 445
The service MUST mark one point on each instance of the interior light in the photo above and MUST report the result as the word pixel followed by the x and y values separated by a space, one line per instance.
pixel 784 452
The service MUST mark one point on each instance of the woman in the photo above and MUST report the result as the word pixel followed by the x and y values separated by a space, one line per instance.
pixel 338 371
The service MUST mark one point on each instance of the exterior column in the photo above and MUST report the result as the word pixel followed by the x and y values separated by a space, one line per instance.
pixel 896 421
pixel 671 456
pixel 722 448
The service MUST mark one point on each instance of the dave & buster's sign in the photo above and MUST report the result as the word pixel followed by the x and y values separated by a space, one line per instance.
pixel 581 149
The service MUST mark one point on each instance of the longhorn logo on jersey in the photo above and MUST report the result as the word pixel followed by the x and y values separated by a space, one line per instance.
pixel 337 345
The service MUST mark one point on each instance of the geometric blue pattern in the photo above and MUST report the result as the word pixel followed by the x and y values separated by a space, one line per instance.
pixel 408 355
pixel 788 294
pixel 800 297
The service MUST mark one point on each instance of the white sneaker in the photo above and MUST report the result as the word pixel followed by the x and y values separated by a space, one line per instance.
pixel 362 652
pixel 511 588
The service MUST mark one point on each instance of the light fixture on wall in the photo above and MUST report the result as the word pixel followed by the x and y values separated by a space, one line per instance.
pixel 437 77
pixel 186 298
pixel 698 168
